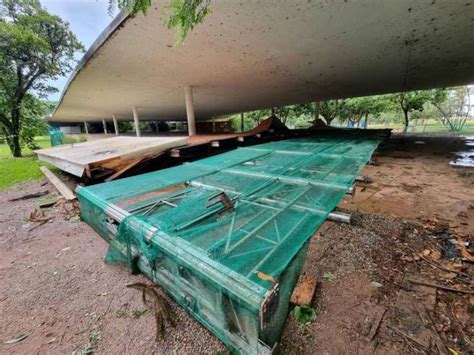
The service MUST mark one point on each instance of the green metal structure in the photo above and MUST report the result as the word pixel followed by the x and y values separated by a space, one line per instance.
pixel 227 236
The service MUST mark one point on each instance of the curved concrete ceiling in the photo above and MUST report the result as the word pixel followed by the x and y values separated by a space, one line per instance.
pixel 252 54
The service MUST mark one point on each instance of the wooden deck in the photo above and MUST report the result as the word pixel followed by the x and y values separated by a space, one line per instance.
pixel 109 154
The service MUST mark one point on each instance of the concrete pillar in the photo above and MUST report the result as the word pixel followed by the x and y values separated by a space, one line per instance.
pixel 136 121
pixel 105 126
pixel 188 93
pixel 213 125
pixel 85 127
pixel 316 110
pixel 115 125
pixel 241 122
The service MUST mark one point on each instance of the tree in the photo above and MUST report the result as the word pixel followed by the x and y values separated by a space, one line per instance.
pixel 411 101
pixel 358 108
pixel 182 15
pixel 35 47
pixel 331 109
pixel 454 105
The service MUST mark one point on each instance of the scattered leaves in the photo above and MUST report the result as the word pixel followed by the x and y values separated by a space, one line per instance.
pixel 16 339
pixel 329 276
pixel 94 337
pixel 435 255
pixel 139 312
pixel 376 284
pixel 266 277
pixel 304 314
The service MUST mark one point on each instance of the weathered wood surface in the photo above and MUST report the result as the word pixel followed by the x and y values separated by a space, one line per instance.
pixel 304 290
pixel 110 153
pixel 58 184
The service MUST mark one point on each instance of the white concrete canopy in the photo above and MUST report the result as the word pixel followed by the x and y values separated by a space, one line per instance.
pixel 253 54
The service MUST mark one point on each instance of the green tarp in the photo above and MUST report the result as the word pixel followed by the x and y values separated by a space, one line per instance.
pixel 226 236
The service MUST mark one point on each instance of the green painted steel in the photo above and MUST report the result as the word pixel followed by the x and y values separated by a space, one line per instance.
pixel 207 231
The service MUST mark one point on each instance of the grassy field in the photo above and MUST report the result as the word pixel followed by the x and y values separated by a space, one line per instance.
pixel 17 170
pixel 428 126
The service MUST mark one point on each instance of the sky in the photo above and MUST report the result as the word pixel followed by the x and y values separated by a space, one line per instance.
pixel 87 19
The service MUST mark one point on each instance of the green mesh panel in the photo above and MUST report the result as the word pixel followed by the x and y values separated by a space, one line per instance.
pixel 173 226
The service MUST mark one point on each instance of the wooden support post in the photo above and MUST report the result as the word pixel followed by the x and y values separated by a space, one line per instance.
pixel 115 125
pixel 136 121
pixel 188 94
pixel 85 127
pixel 241 122
pixel 105 126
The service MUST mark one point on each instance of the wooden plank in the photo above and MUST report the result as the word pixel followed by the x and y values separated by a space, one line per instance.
pixel 304 290
pixel 58 184
pixel 108 153
pixel 124 169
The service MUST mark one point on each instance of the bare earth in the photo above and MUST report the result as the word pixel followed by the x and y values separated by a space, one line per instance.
pixel 56 289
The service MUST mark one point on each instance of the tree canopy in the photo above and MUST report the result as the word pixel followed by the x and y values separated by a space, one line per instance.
pixel 182 15
pixel 35 47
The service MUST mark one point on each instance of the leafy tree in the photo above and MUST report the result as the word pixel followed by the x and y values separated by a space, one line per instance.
pixel 454 105
pixel 34 112
pixel 35 47
pixel 182 15
pixel 331 109
pixel 411 101
pixel 358 108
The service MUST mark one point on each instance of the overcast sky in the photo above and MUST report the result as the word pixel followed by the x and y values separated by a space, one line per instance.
pixel 87 19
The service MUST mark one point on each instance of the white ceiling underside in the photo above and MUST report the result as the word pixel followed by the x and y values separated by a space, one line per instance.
pixel 251 54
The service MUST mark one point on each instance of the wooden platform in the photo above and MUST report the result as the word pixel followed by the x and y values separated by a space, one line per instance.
pixel 108 154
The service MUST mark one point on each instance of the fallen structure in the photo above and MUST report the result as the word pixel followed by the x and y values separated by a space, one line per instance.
pixel 110 154
pixel 227 236
pixel 110 158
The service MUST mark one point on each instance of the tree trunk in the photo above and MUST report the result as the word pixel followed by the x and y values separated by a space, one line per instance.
pixel 366 120
pixel 407 121
pixel 13 141
pixel 16 147
pixel 14 134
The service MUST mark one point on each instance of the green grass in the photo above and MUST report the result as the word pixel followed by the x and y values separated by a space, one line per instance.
pixel 428 126
pixel 17 170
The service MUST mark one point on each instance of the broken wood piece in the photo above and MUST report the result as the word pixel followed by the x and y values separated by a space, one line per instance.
pixel 441 287
pixel 428 320
pixel 407 337
pixel 58 184
pixel 304 290
pixel 377 320
pixel 127 167
pixel 28 196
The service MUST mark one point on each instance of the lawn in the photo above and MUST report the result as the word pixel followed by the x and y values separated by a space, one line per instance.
pixel 428 126
pixel 17 170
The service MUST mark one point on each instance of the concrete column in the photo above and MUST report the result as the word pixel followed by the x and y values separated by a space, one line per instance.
pixel 213 125
pixel 241 122
pixel 105 126
pixel 115 125
pixel 85 127
pixel 136 121
pixel 316 110
pixel 188 93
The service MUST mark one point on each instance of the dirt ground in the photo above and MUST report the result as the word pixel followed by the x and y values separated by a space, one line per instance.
pixel 409 225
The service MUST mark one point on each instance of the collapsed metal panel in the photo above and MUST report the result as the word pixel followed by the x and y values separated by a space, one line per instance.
pixel 207 231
